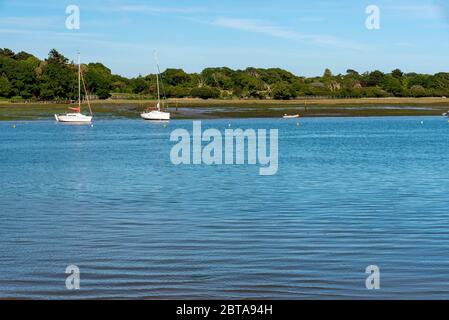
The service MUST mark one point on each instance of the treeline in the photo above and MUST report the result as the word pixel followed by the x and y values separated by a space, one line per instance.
pixel 23 76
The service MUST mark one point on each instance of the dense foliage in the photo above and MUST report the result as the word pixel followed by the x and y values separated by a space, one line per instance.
pixel 23 76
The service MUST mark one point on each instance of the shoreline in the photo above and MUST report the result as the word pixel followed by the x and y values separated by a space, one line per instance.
pixel 213 109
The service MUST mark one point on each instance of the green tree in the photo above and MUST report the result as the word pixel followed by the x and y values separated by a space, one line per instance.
pixel 418 91
pixel 98 79
pixel 327 73
pixel 274 75
pixel 55 57
pixel 397 73
pixel 175 77
pixel 373 79
pixel 393 85
pixel 352 72
pixel 205 93
pixel 139 85
pixel 6 53
pixel 282 91
pixel 5 87
pixel 177 92
pixel 22 55
pixel 58 79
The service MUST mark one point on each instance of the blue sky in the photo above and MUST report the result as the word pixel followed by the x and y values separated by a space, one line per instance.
pixel 304 37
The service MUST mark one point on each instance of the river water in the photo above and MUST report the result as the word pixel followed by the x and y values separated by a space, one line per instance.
pixel 349 193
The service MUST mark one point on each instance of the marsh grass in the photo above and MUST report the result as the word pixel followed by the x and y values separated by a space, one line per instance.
pixel 197 108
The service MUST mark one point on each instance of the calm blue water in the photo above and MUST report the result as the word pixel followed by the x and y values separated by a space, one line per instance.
pixel 350 192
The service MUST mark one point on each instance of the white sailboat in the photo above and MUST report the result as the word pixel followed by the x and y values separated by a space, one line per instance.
pixel 156 113
pixel 77 116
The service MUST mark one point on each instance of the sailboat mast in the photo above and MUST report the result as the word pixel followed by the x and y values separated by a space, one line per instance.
pixel 158 72
pixel 79 80
pixel 158 93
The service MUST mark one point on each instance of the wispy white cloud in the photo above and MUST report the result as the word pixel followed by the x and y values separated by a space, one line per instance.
pixel 417 11
pixel 255 26
pixel 313 19
pixel 263 27
pixel 29 22
pixel 405 44
pixel 143 8
pixel 49 34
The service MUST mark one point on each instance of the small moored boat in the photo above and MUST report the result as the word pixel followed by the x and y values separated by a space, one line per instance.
pixel 73 117
pixel 292 116
pixel 155 114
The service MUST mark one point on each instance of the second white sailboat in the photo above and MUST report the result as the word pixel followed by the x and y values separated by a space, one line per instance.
pixel 156 113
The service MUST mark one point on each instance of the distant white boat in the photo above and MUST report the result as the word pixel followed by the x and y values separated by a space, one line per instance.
pixel 156 113
pixel 446 114
pixel 292 116
pixel 77 116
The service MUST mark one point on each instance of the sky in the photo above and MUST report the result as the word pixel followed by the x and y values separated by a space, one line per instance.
pixel 304 37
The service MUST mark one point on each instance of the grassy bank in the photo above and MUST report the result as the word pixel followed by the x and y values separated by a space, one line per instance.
pixel 197 108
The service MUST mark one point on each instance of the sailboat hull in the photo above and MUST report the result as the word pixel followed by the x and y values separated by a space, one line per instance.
pixel 155 115
pixel 73 117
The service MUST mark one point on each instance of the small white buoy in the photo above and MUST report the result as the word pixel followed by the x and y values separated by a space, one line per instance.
pixel 14 126
pixel 422 122
pixel 297 123
pixel 229 125
pixel 91 125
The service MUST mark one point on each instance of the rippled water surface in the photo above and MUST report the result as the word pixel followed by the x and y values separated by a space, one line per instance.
pixel 350 192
